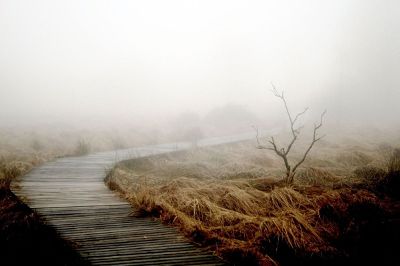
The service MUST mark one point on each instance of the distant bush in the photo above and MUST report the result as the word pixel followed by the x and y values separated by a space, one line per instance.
pixel 118 143
pixel 316 176
pixel 82 148
pixel 391 183
pixel 383 182
pixel 369 173
pixel 193 134
pixel 394 161
pixel 36 145
pixel 11 169
pixel 354 159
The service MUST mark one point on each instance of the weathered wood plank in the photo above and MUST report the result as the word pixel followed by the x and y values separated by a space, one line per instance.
pixel 70 194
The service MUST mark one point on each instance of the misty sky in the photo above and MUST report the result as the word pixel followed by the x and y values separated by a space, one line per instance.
pixel 129 58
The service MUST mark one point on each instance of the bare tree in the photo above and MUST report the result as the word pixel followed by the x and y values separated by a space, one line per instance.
pixel 295 132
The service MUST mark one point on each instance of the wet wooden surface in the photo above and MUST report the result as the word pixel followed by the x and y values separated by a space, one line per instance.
pixel 71 195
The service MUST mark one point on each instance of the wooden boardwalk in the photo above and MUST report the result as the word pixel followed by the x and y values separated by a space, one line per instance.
pixel 70 194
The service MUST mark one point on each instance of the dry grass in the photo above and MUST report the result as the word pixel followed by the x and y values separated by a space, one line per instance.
pixel 394 161
pixel 14 166
pixel 22 148
pixel 25 239
pixel 230 198
pixel 233 213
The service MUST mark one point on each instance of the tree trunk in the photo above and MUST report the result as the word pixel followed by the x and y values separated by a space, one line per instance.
pixel 289 177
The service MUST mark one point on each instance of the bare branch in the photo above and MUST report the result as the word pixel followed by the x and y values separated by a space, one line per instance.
pixel 314 140
pixel 300 114
pixel 259 146
pixel 291 144
pixel 323 136
pixel 275 91
pixel 282 97
pixel 297 130
pixel 292 121
pixel 282 152
pixel 275 148
pixel 322 117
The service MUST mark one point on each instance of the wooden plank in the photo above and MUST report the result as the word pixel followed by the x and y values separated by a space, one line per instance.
pixel 70 194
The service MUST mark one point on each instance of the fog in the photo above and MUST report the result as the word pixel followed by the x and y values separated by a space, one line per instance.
pixel 116 61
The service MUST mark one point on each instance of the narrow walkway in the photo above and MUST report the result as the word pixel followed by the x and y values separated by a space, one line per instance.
pixel 70 194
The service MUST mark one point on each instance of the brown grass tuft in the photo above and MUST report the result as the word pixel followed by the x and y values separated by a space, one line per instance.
pixel 246 214
pixel 394 161
pixel 233 213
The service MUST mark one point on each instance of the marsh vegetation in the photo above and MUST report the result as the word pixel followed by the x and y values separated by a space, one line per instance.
pixel 342 207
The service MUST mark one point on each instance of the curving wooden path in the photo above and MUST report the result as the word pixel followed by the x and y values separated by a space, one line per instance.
pixel 70 194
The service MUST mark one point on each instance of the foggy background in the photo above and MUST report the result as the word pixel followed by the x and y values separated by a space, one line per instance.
pixel 125 63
